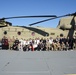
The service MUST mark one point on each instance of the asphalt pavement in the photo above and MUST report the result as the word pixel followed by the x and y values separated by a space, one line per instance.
pixel 37 62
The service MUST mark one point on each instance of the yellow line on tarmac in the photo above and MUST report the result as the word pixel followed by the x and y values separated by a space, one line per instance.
pixel 70 74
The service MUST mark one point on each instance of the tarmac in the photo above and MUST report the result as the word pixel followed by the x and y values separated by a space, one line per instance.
pixel 37 62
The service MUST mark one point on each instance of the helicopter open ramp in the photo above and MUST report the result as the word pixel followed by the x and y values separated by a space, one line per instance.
pixel 37 62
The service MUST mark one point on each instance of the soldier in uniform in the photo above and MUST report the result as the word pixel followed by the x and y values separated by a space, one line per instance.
pixel 54 46
pixel 58 45
pixel 11 42
pixel 47 45
pixel 63 46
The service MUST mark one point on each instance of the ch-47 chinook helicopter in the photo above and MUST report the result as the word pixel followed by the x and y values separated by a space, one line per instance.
pixel 66 27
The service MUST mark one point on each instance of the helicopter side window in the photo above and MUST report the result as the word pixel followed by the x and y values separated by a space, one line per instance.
pixel 19 33
pixel 61 35
pixel 5 32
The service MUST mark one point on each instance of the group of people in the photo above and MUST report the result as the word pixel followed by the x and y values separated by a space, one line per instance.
pixel 39 44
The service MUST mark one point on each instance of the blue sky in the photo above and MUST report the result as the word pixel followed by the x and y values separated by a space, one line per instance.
pixel 9 8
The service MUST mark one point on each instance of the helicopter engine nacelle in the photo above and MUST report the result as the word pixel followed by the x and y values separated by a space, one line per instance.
pixel 65 27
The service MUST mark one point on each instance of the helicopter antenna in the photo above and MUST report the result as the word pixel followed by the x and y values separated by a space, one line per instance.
pixel 73 14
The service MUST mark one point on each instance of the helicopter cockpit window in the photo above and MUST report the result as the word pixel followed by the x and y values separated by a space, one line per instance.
pixel 19 33
pixel 5 32
pixel 1 21
pixel 9 23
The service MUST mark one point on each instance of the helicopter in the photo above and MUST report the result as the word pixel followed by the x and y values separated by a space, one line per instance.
pixel 66 27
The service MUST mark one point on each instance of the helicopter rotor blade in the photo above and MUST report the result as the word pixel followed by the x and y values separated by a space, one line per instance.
pixel 73 14
pixel 38 16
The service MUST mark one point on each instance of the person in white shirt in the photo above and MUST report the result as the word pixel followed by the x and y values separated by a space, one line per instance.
pixel 21 44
